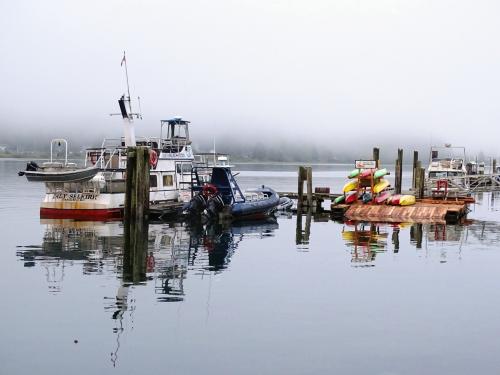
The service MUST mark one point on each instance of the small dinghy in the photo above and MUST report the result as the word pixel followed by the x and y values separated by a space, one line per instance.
pixel 57 172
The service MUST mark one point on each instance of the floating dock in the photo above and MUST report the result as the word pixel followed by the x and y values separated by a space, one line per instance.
pixel 423 211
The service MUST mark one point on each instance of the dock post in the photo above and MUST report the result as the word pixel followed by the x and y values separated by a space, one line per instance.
pixel 136 208
pixel 137 184
pixel 376 156
pixel 300 188
pixel 415 160
pixel 419 181
pixel 399 172
pixel 309 187
pixel 494 166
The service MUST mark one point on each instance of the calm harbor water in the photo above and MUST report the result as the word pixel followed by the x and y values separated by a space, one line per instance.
pixel 263 297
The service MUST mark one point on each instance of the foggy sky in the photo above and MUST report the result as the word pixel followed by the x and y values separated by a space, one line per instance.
pixel 333 71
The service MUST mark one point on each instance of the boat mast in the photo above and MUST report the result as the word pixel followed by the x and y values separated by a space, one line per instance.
pixel 124 60
pixel 128 116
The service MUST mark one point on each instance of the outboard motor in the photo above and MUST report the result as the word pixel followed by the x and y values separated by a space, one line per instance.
pixel 201 201
pixel 31 166
pixel 197 205
pixel 214 205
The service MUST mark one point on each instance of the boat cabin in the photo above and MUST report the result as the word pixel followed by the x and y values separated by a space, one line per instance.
pixel 446 162
pixel 177 135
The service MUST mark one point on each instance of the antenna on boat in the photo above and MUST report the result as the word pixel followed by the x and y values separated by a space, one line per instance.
pixel 128 116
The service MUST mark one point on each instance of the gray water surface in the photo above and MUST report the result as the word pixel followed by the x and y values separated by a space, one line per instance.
pixel 253 298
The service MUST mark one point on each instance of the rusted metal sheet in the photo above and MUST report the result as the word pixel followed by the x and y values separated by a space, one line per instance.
pixel 419 212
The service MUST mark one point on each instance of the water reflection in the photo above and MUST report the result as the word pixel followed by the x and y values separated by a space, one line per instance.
pixel 366 240
pixel 161 252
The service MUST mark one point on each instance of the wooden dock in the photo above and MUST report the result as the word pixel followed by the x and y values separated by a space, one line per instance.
pixel 424 211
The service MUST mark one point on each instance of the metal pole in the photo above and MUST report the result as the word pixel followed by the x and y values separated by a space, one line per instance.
pixel 128 88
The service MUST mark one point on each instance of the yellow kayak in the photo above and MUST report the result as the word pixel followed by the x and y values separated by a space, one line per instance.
pixel 351 185
pixel 407 200
pixel 381 185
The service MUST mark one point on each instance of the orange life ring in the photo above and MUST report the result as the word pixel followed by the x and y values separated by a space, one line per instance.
pixel 153 158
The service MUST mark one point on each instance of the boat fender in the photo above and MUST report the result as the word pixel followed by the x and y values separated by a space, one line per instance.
pixel 153 158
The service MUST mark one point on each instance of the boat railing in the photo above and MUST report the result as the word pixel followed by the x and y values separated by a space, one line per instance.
pixel 467 183
pixel 107 158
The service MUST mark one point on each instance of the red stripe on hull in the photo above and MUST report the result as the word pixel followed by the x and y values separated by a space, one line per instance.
pixel 55 213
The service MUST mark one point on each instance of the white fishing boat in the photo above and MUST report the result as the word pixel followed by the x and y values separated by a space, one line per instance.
pixel 98 189
pixel 447 163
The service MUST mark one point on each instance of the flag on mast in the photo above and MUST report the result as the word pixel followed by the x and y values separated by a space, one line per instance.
pixel 123 60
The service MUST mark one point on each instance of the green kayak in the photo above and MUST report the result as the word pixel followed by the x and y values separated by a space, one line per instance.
pixel 354 173
pixel 380 173
pixel 339 199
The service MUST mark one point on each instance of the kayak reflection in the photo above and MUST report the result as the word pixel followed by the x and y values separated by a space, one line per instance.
pixel 365 240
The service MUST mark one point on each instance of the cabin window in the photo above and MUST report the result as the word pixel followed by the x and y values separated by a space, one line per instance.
pixel 437 174
pixel 153 181
pixel 184 168
pixel 168 180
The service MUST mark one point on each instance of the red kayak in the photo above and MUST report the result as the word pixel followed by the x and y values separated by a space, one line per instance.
pixel 382 197
pixel 351 197
pixel 394 200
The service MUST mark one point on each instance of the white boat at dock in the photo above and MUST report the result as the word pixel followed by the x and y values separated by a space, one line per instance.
pixel 447 163
pixel 97 190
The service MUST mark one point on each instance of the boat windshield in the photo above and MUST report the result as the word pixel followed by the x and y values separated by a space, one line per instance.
pixel 442 174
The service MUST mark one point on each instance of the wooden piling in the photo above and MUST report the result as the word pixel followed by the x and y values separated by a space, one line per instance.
pixel 137 184
pixel 415 161
pixel 376 155
pixel 135 214
pixel 494 166
pixel 300 187
pixel 309 187
pixel 419 181
pixel 399 172
pixel 305 174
